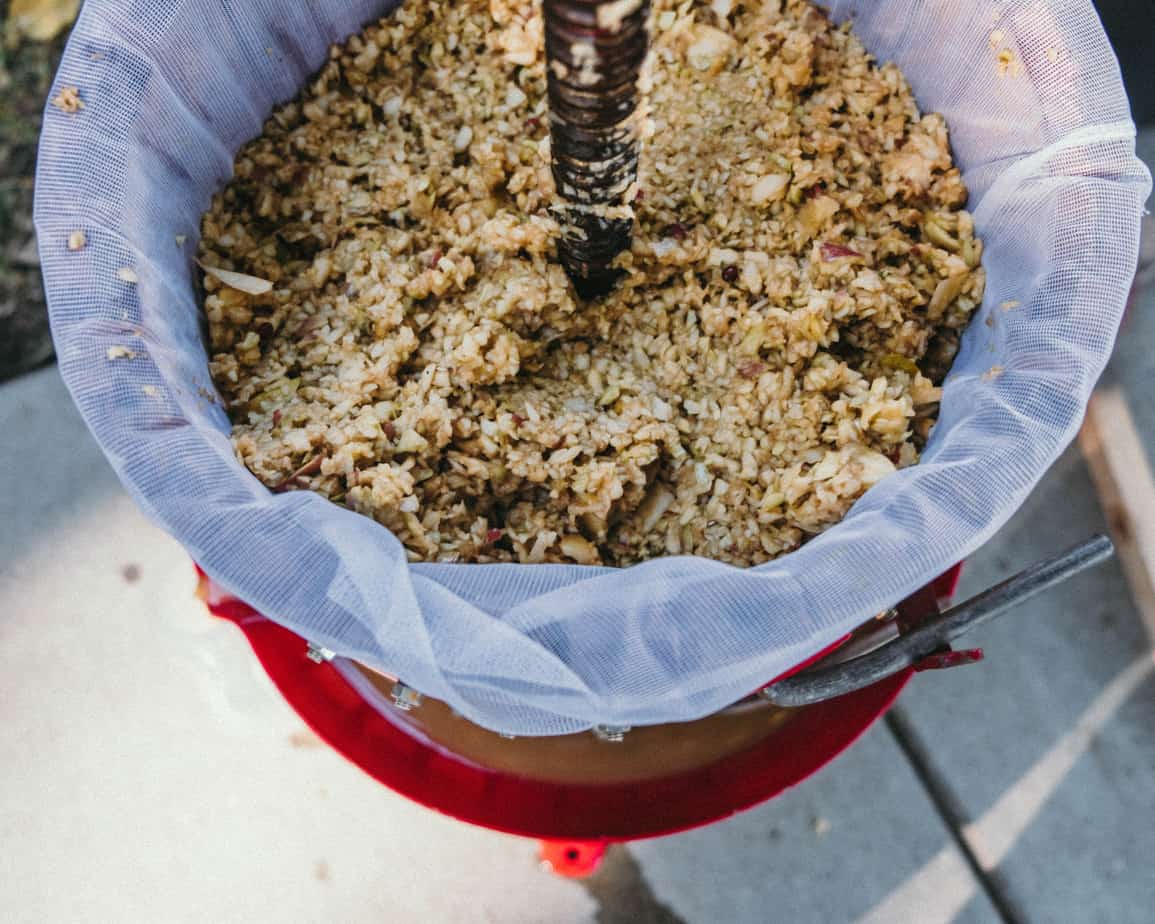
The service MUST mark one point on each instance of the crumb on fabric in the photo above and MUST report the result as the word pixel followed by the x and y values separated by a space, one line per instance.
pixel 1009 64
pixel 208 395
pixel 68 100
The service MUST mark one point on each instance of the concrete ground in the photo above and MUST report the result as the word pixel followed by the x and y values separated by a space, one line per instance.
pixel 149 772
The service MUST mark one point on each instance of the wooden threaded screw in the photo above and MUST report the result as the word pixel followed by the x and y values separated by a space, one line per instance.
pixel 594 53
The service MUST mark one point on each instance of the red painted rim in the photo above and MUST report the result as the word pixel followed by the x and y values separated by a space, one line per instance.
pixel 540 809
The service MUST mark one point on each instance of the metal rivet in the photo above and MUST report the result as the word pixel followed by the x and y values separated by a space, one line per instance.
pixel 614 733
pixel 319 654
pixel 405 697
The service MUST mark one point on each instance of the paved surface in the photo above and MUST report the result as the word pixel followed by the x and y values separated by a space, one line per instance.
pixel 148 772
pixel 1046 750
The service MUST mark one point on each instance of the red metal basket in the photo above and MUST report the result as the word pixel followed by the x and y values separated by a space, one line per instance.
pixel 575 820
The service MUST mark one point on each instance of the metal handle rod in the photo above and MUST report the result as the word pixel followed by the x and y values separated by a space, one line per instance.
pixel 823 683
pixel 594 53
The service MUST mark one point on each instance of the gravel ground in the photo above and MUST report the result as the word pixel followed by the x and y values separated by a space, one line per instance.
pixel 25 75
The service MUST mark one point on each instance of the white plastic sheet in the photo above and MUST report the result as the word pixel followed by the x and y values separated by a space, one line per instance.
pixel 172 88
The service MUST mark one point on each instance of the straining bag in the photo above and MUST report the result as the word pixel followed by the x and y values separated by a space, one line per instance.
pixel 172 89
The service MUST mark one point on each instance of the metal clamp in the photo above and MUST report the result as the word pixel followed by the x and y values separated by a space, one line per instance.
pixel 927 646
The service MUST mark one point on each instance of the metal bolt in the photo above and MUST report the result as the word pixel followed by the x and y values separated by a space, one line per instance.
pixel 614 733
pixel 405 697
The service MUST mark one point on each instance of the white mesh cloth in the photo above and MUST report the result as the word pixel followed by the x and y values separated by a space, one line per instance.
pixel 172 88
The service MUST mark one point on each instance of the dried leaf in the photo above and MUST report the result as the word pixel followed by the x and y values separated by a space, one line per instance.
pixel 898 362
pixel 242 282
pixel 39 20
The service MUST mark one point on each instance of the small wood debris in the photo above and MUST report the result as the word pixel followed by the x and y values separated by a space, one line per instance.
pixel 68 100
pixel 77 240
pixel 1053 55
pixel 1010 305
pixel 151 390
pixel 997 39
pixel 992 373
pixel 120 352
pixel 821 825
pixel 127 274
pixel 242 282
pixel 180 239
pixel 305 739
